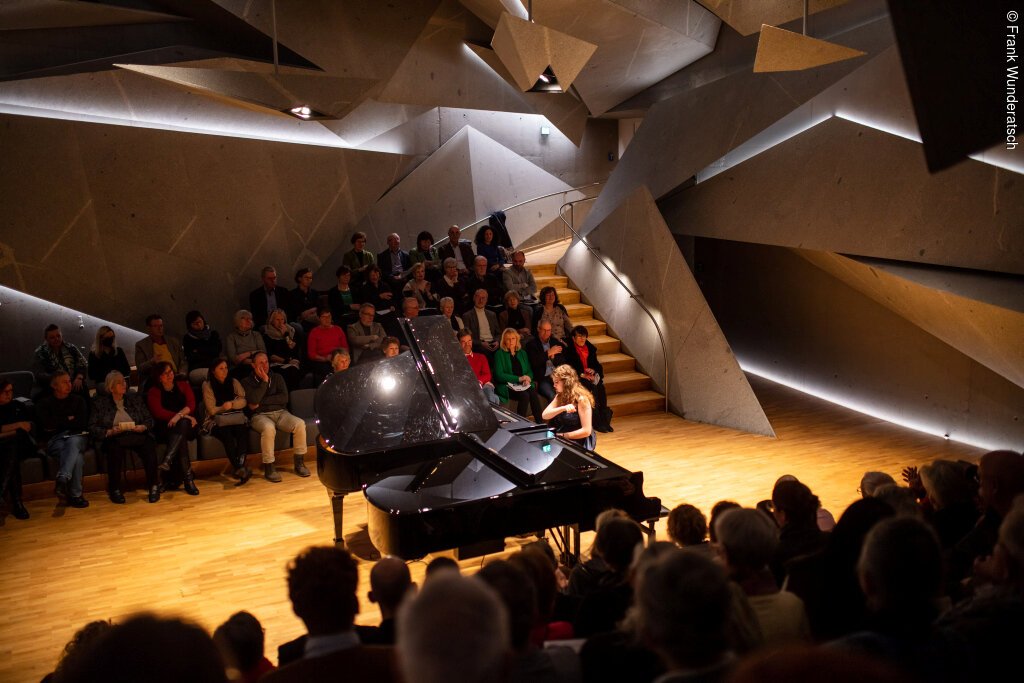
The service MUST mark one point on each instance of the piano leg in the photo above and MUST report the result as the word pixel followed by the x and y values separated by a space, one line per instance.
pixel 337 506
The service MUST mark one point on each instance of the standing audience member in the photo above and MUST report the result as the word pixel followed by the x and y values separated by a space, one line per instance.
pixel 554 312
pixel 240 641
pixel 390 585
pixel 155 348
pixel 172 405
pixel 283 349
pixel 357 259
pixel 268 296
pixel 455 629
pixel 322 583
pixel 519 279
pixel 54 356
pixel 452 285
pixel 242 344
pixel 16 444
pixel 366 336
pixel 202 346
pixel 572 409
pixel 120 422
pixel 342 299
pixel 224 400
pixel 582 357
pixel 545 353
pixel 105 357
pixel 63 422
pixel 478 363
pixel 267 396
pixel 303 300
pixel 458 249
pixel 512 368
pixel 394 264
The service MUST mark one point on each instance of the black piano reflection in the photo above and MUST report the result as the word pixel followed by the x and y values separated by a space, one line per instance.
pixel 442 468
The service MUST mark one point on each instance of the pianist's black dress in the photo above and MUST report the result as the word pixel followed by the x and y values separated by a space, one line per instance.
pixel 570 422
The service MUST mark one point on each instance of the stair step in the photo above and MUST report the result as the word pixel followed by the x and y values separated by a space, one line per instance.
pixel 593 326
pixel 626 382
pixel 567 296
pixel 541 268
pixel 555 281
pixel 616 362
pixel 635 402
pixel 580 311
pixel 604 343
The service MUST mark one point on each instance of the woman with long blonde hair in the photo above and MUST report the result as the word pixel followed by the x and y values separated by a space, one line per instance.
pixel 572 409
pixel 512 369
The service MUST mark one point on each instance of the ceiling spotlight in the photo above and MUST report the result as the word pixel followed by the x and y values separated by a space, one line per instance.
pixel 544 77
pixel 305 113
pixel 302 112
pixel 546 82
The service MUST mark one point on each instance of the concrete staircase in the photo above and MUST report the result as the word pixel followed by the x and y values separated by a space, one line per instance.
pixel 629 390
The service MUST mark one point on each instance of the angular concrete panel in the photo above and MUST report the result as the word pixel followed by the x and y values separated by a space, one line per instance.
pixel 747 17
pixel 705 383
pixel 20 15
pixel 527 49
pixel 989 334
pixel 846 188
pixel 782 50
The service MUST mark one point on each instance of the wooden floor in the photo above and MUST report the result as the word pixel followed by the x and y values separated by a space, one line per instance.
pixel 226 550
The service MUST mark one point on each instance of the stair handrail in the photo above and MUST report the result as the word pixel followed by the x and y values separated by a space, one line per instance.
pixel 632 295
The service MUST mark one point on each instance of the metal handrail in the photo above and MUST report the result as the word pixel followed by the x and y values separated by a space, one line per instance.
pixel 632 295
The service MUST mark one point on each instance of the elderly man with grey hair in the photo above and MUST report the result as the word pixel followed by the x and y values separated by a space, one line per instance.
pixel 395 264
pixel 242 344
pixel 267 397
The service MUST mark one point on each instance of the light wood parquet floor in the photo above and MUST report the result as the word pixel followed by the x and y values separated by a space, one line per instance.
pixel 226 550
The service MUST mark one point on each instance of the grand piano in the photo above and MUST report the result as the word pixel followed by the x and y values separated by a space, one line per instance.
pixel 441 468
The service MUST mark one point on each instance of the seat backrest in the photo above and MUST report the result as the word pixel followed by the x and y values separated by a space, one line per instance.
pixel 301 403
pixel 23 381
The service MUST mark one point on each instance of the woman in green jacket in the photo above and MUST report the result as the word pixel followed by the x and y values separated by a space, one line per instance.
pixel 512 369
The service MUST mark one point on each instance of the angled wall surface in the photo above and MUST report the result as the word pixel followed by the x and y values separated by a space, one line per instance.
pixel 705 383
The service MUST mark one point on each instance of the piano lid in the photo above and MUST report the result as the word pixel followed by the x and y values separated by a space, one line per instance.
pixel 419 396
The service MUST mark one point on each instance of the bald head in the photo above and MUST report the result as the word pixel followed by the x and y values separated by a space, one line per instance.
pixel 390 582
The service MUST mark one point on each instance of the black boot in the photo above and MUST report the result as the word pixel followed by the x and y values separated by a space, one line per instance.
pixel 300 466
pixel 189 480
pixel 154 493
pixel 18 509
pixel 173 444
pixel 270 472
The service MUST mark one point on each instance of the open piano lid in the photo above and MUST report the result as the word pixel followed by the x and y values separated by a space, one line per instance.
pixel 420 396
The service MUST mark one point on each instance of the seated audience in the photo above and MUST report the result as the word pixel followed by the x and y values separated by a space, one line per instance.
pixel 105 357
pixel 394 263
pixel 440 565
pixel 478 363
pixel 747 540
pixel 447 305
pixel 55 356
pixel 83 637
pixel 479 278
pixel 602 583
pixel 242 344
pixel 553 312
pixel 240 641
pixel 571 411
pixel 483 324
pixel 340 360
pixel 458 249
pixel 202 346
pixel 487 246
pixel 357 260
pixel 266 396
pixel 224 401
pixel 516 316
pixel 518 278
pixel 322 583
pixel 365 336
pixel 455 629
pixel 120 423
pixel 268 296
pixel 173 405
pixel 410 308
pixel 688 528
pixel 545 353
pixel 322 341
pixel 283 349
pixel 376 292
pixel 62 418
pixel 303 300
pixel 146 648
pixel 155 348
pixel 796 512
pixel 872 481
pixel 581 356
pixel 390 585
pixel 427 254
pixel 16 444
pixel 683 604
pixel 391 347
pixel 452 285
pixel 952 511
pixel 716 511
pixel 420 288
pixel 512 368
pixel 342 299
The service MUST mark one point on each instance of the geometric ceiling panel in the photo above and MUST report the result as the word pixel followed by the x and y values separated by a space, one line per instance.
pixel 991 335
pixel 746 17
pixel 528 49
pixel 33 14
pixel 781 50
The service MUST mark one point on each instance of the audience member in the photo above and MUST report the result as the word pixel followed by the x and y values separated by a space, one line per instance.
pixel 604 586
pixel 63 422
pixel 438 566
pixel 458 249
pixel 537 559
pixel 410 307
pixel 553 312
pixel 357 259
pixel 242 344
pixel 571 412
pixel 54 356
pixel 322 583
pixel 394 263
pixel 516 316
pixel 581 356
pixel 16 444
pixel 514 378
pixel 224 401
pixel 83 637
pixel 479 278
pixel 155 348
pixel 716 511
pixel 455 629
pixel 340 360
pixel 483 324
pixel 106 356
pixel 951 499
pixel 452 285
pixel 391 347
pixel 173 406
pixel 795 509
pixel 342 299
pixel 304 300
pixel 688 528
pixel 365 336
pixel 283 348
pixel 420 288
pixel 268 296
pixel 518 278
pixel 488 247
pixel 426 253
pixel 478 363
pixel 447 305
pixel 376 292
pixel 545 353
pixel 804 664
pixel 871 481
pixel 240 641
pixel 902 499
pixel 202 346
pixel 390 585
pixel 267 396
pixel 120 423
pixel 322 341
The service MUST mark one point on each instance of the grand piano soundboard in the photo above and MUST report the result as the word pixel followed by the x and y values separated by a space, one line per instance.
pixel 443 468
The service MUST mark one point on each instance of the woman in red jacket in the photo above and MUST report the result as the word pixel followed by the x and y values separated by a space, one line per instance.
pixel 172 405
